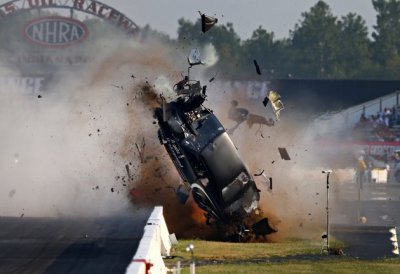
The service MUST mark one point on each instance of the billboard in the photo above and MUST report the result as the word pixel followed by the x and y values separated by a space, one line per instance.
pixel 43 38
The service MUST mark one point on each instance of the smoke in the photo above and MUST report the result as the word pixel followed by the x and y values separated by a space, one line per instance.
pixel 210 55
pixel 64 150
pixel 88 145
pixel 68 152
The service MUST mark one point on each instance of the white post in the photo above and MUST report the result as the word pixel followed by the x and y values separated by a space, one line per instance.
pixel 192 268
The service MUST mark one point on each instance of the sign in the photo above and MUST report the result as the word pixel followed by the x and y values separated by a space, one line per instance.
pixel 55 31
pixel 92 7
pixel 26 84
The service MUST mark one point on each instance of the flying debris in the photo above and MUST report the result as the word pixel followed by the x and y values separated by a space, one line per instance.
pixel 140 148
pixel 257 67
pixel 284 154
pixel 207 22
pixel 201 149
pixel 262 228
pixel 259 174
pixel 116 86
pixel 265 101
pixel 128 171
pixel 276 102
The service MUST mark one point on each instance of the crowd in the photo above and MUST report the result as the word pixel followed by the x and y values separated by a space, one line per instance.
pixel 382 127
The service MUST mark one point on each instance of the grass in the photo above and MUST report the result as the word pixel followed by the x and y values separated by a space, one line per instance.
pixel 321 266
pixel 291 256
pixel 206 250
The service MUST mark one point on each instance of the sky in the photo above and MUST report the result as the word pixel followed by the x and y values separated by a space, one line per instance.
pixel 278 16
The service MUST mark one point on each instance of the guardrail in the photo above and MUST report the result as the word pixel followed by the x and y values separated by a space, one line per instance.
pixel 154 244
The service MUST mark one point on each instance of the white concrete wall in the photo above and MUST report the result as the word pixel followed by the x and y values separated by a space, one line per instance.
pixel 154 244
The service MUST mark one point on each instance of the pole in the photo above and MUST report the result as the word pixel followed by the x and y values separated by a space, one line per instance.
pixel 326 236
pixel 327 210
pixel 359 196
pixel 192 264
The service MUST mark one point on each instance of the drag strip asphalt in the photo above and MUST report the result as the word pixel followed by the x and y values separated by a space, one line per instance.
pixel 365 242
pixel 70 245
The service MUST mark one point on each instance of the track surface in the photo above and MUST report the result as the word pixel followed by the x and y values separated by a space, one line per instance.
pixel 55 245
pixel 379 204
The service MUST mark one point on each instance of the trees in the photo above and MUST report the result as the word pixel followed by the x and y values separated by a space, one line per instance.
pixel 386 37
pixel 270 54
pixel 354 53
pixel 315 41
pixel 320 46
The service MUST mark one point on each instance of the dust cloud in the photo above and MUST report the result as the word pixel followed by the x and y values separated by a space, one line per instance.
pixel 64 150
pixel 67 151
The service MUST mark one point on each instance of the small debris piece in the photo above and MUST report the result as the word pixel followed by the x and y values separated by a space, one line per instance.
pixel 207 22
pixel 128 171
pixel 259 174
pixel 39 96
pixel 90 134
pixel 273 162
pixel 133 76
pixel 112 189
pixel 140 149
pixel 262 228
pixel 22 215
pixel 97 187
pixel 212 79
pixel 257 67
pixel 98 130
pixel 284 154
pixel 120 87
pixel 265 101
pixel 270 183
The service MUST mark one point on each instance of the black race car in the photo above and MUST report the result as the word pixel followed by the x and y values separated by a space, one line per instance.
pixel 204 155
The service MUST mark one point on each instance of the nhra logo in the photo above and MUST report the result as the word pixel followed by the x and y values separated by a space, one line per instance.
pixel 55 31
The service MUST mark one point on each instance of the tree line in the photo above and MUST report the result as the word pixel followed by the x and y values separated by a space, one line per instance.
pixel 321 46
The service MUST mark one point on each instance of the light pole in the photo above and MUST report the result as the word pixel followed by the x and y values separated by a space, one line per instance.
pixel 326 247
pixel 190 248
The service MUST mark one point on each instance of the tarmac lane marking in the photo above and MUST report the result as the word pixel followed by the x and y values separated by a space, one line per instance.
pixel 379 198
pixel 378 193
